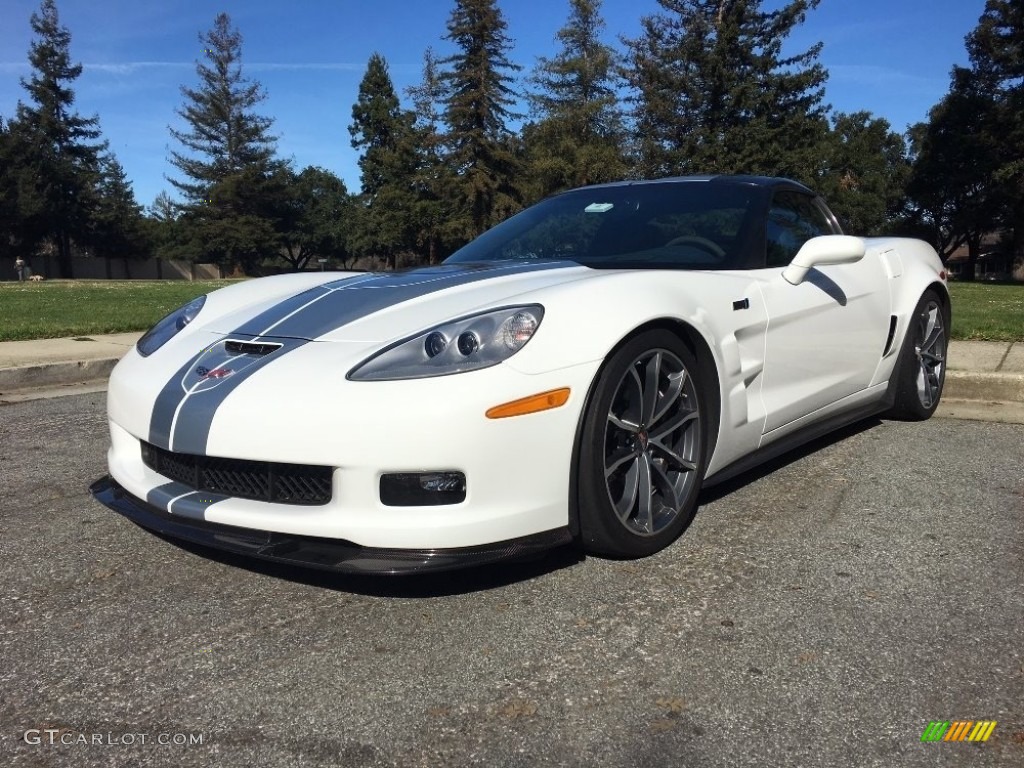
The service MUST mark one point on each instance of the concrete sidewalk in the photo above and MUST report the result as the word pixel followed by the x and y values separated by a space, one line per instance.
pixel 979 372
pixel 45 363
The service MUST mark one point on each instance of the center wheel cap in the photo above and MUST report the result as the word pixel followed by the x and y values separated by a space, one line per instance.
pixel 641 440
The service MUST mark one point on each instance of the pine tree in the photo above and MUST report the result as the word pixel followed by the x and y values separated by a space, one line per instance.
pixel 233 185
pixel 713 92
pixel 996 48
pixel 117 229
pixel 579 135
pixel 479 104
pixel 434 181
pixel 58 149
pixel 386 135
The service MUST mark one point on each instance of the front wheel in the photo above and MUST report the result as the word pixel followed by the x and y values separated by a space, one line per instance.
pixel 921 369
pixel 643 448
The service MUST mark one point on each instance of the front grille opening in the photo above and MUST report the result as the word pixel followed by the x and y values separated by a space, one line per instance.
pixel 250 347
pixel 301 484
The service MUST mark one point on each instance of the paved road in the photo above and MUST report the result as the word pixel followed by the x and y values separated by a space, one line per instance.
pixel 819 613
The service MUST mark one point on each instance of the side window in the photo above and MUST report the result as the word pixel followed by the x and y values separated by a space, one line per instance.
pixel 793 219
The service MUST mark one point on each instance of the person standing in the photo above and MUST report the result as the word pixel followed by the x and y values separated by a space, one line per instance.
pixel 19 267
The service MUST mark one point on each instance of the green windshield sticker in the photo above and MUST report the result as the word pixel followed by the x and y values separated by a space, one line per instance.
pixel 599 207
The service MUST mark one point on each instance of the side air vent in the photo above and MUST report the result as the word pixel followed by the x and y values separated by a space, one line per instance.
pixel 250 347
pixel 892 335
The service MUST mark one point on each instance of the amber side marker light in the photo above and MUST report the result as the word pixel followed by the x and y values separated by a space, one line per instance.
pixel 543 401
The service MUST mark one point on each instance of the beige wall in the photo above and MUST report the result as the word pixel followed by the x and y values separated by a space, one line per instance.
pixel 115 269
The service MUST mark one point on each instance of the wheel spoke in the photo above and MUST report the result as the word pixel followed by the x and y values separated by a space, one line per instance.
pixel 674 458
pixel 649 391
pixel 617 459
pixel 667 488
pixel 624 505
pixel 660 434
pixel 632 393
pixel 676 382
pixel 621 423
pixel 645 492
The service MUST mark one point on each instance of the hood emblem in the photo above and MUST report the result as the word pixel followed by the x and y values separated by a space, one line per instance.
pixel 216 373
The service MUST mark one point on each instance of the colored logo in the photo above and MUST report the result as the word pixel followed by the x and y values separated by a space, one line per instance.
pixel 216 373
pixel 959 730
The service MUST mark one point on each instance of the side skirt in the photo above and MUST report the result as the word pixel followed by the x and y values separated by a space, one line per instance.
pixel 801 436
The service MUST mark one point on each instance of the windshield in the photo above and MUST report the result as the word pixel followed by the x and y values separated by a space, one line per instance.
pixel 684 225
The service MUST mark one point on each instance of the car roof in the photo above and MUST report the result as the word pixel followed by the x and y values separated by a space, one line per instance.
pixel 748 180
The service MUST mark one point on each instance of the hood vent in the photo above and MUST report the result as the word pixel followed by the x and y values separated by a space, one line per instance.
pixel 259 348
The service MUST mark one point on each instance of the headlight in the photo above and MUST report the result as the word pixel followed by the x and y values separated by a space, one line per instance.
pixel 162 332
pixel 479 341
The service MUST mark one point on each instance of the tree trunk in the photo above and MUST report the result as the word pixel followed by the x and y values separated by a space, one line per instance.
pixel 64 255
pixel 973 251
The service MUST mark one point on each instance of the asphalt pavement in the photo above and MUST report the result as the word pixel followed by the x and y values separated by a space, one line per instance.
pixel 984 380
pixel 821 611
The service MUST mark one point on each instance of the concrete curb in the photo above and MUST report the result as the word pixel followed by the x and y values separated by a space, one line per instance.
pixel 55 374
pixel 987 387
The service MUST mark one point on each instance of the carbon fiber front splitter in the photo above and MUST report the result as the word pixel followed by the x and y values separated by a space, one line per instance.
pixel 313 552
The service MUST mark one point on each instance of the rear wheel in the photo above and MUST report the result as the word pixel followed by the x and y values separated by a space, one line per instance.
pixel 643 446
pixel 921 369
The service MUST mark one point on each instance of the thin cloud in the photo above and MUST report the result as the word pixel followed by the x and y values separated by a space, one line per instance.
pixel 874 74
pixel 131 67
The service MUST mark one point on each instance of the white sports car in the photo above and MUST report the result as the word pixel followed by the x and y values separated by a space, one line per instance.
pixel 577 373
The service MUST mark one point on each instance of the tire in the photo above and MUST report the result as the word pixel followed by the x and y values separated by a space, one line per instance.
pixel 642 459
pixel 921 370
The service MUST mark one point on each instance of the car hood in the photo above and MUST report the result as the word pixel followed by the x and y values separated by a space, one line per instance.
pixel 377 307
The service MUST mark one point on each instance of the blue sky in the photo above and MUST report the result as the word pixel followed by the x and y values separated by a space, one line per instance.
pixel 889 57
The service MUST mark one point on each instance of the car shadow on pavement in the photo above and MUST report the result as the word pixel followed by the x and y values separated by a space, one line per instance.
pixel 716 492
pixel 443 584
pixel 498 575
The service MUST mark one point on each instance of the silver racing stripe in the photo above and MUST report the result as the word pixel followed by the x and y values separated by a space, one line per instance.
pixel 184 410
pixel 180 499
pixel 191 421
pixel 326 308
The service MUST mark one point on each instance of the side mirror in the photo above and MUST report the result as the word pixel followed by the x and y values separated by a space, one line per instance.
pixel 820 251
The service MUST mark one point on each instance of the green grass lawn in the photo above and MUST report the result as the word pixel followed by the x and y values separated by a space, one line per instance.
pixel 58 308
pixel 987 312
pixel 79 308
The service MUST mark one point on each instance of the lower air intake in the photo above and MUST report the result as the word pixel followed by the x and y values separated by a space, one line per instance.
pixel 301 484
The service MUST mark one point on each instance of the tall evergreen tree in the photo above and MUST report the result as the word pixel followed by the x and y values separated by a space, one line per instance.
pixel 433 180
pixel 233 184
pixel 479 104
pixel 9 219
pixel 579 135
pixel 996 48
pixel 58 149
pixel 117 229
pixel 713 92
pixel 386 135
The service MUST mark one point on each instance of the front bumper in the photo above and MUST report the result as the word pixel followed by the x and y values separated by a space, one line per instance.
pixel 314 552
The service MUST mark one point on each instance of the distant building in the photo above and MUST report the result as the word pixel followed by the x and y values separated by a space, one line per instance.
pixel 994 262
